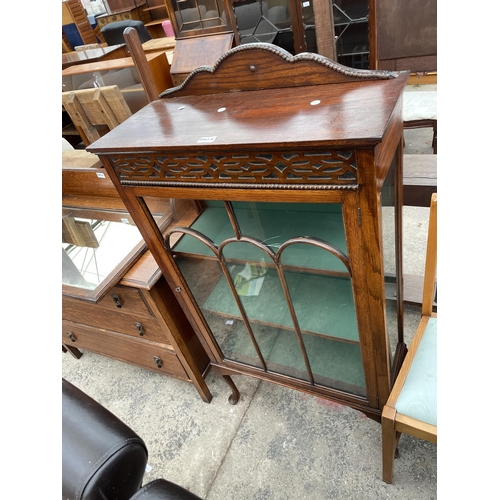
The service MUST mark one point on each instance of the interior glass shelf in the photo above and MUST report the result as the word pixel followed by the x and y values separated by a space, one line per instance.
pixel 273 224
pixel 334 364
pixel 310 294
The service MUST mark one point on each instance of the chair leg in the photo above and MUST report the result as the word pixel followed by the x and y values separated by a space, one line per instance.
pixel 434 137
pixel 390 440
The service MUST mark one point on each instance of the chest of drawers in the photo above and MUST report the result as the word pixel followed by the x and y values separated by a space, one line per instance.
pixel 133 317
pixel 128 324
pixel 138 14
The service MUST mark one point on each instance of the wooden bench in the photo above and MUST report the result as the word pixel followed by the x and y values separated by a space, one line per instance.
pixel 420 111
pixel 419 179
pixel 419 183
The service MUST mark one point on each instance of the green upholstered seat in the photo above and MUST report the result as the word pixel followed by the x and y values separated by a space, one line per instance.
pixel 418 398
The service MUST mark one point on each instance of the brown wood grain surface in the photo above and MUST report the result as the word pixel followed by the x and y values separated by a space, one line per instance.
pixel 347 115
pixel 103 53
pixel 259 100
pixel 190 53
pixel 124 348
pixel 406 29
pixel 156 44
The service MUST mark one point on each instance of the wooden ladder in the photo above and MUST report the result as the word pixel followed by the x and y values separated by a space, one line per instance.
pixel 81 21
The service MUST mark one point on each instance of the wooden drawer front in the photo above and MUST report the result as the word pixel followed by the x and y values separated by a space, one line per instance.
pixel 112 18
pixel 124 348
pixel 124 299
pixel 123 16
pixel 116 320
pixel 119 299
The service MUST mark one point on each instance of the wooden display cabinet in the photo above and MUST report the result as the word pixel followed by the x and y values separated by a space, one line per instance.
pixel 124 10
pixel 339 29
pixel 375 34
pixel 195 18
pixel 295 166
pixel 406 35
pixel 115 301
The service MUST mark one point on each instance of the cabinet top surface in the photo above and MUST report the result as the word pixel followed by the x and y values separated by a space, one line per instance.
pixel 353 114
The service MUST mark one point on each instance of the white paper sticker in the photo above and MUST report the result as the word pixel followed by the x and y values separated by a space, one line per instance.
pixel 125 221
pixel 207 139
pixel 229 322
pixel 101 175
pixel 248 282
pixel 305 4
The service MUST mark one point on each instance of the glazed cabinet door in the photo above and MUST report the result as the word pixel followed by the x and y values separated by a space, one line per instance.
pixel 273 284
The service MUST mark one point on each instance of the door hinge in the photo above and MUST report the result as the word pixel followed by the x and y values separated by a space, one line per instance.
pixel 359 216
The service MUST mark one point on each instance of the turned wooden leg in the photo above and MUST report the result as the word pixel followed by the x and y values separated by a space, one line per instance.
pixel 434 137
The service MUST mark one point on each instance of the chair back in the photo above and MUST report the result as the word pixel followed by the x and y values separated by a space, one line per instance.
pixel 94 112
pixel 430 261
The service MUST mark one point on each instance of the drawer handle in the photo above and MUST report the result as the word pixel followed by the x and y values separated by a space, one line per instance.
pixel 71 336
pixel 116 299
pixel 140 328
pixel 158 361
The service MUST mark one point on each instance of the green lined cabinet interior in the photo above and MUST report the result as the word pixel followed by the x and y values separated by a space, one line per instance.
pixel 242 286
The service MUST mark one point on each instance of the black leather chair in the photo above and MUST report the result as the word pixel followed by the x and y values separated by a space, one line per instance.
pixel 161 489
pixel 113 32
pixel 102 458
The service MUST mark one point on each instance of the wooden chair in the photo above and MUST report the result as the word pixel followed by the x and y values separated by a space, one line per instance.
pixel 411 407
pixel 138 55
pixel 94 112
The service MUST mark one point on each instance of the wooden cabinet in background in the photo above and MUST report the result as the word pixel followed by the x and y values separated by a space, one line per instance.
pixel 364 34
pixel 406 35
pixel 131 313
pixel 159 14
pixel 120 5
pixel 197 18
pixel 124 11
pixel 131 323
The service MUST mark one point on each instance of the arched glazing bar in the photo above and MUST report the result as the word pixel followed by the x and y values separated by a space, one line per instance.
pixel 275 257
